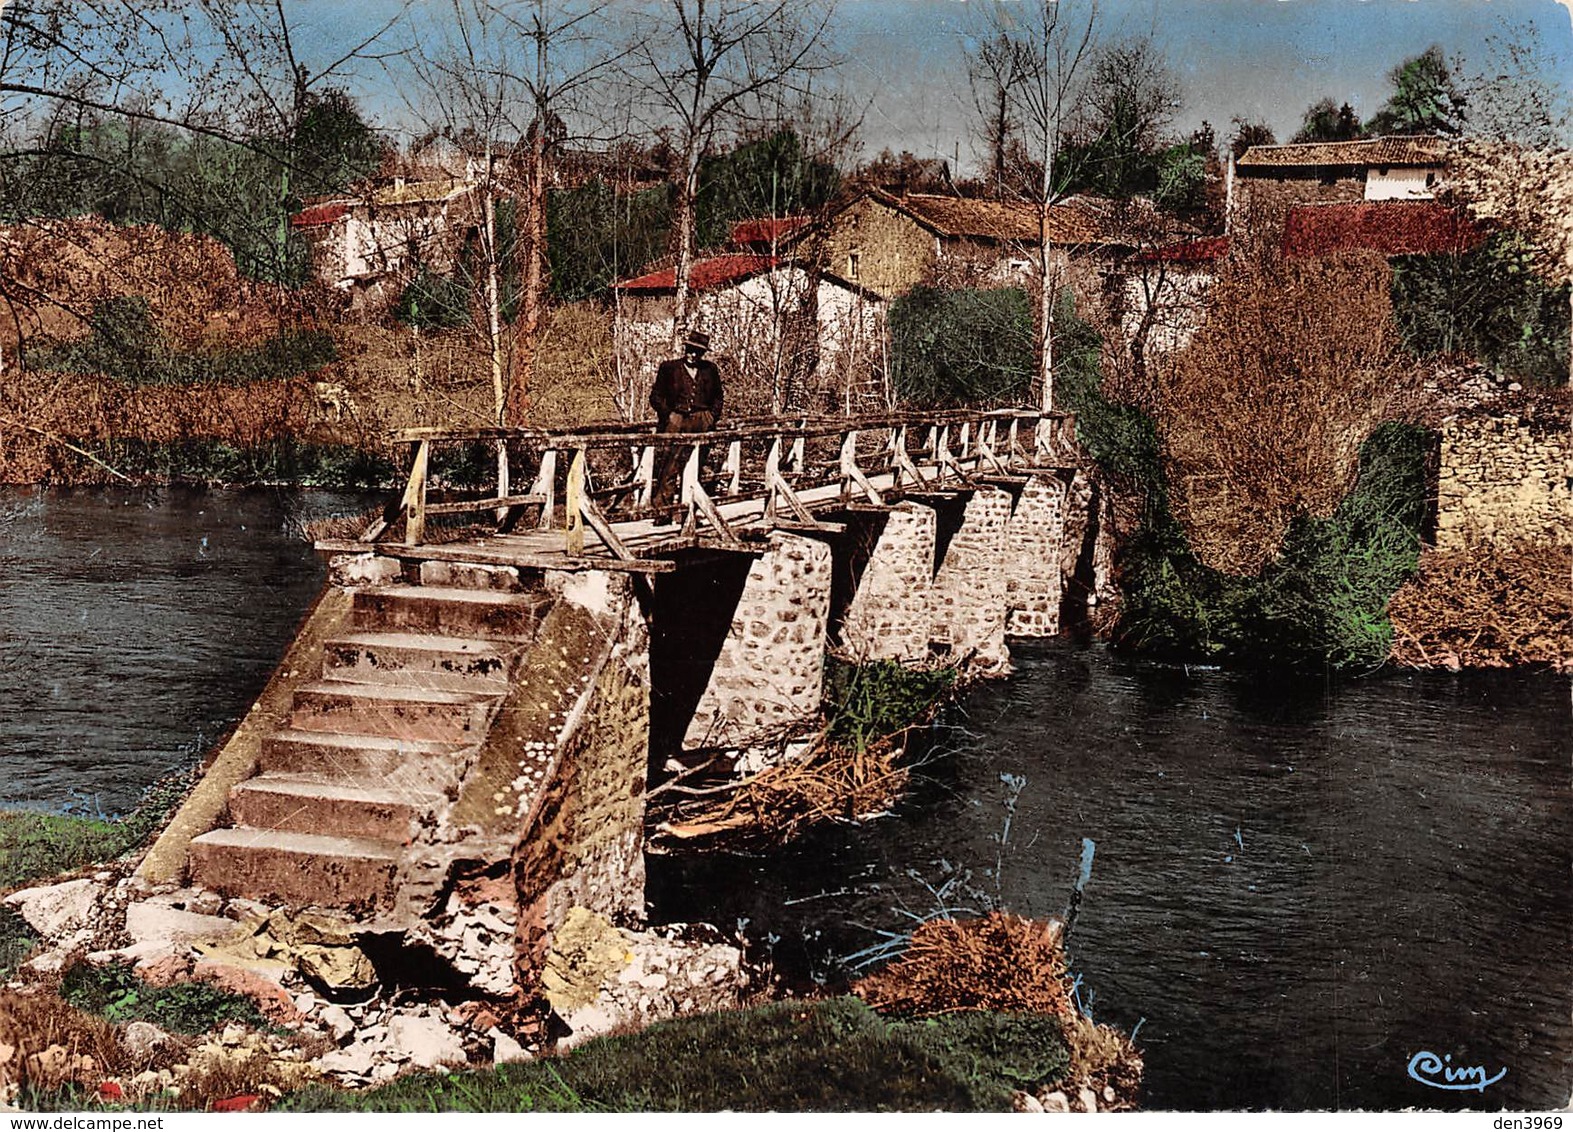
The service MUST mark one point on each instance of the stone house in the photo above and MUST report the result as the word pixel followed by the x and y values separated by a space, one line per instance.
pixel 785 336
pixel 1160 294
pixel 367 244
pixel 1268 179
pixel 890 243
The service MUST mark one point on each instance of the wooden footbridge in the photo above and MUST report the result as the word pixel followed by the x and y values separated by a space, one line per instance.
pixel 738 484
pixel 461 740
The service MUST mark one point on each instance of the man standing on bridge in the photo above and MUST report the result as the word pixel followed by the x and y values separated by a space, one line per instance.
pixel 686 397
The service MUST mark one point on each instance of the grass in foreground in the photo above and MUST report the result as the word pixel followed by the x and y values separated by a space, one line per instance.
pixel 830 1056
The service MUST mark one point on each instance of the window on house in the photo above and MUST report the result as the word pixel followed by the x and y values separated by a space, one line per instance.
pixel 1430 179
pixel 853 265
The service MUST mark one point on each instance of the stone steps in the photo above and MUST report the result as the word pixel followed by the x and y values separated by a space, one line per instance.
pixel 392 711
pixel 296 868
pixel 449 611
pixel 421 660
pixel 410 763
pixel 370 750
pixel 297 804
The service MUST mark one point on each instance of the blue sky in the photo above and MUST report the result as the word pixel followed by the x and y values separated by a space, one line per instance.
pixel 1264 59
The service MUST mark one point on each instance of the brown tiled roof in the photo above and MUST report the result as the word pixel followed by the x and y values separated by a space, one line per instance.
pixel 1414 227
pixel 317 215
pixel 767 229
pixel 705 274
pixel 1372 151
pixel 1187 253
pixel 1076 220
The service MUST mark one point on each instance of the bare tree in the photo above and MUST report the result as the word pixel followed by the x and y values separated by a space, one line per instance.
pixel 1049 44
pixel 504 86
pixel 995 67
pixel 710 66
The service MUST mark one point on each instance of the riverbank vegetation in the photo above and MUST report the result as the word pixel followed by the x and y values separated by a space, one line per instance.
pixel 853 767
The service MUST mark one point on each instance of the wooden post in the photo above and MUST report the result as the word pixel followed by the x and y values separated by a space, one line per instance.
pixel 415 495
pixel 546 487
pixel 772 474
pixel 573 503
pixel 690 482
pixel 644 474
pixel 502 480
pixel 797 459
pixel 734 468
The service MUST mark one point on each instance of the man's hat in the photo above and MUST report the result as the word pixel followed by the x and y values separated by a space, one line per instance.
pixel 697 340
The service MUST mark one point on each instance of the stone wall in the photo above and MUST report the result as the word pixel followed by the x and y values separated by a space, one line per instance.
pixel 770 672
pixel 1504 479
pixel 1035 582
pixel 888 616
pixel 893 253
pixel 967 609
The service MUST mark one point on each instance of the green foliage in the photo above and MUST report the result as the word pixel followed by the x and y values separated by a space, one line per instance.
pixel 284 460
pixel 114 992
pixel 16 941
pixel 828 1056
pixel 1181 179
pixel 866 702
pixel 432 301
pixel 1488 304
pixel 964 347
pixel 1322 603
pixel 1324 122
pixel 239 192
pixel 1425 99
pixel 36 845
pixel 124 343
pixel 596 234
pixel 1121 438
pixel 769 177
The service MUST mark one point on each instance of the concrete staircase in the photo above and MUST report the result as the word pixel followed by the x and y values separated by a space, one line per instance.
pixel 373 750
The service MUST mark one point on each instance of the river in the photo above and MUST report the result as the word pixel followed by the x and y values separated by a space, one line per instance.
pixel 1298 886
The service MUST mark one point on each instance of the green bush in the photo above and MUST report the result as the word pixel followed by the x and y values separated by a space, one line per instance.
pixel 828 1056
pixel 1321 603
pixel 16 941
pixel 1487 304
pixel 866 702
pixel 124 343
pixel 281 461
pixel 432 301
pixel 960 348
pixel 114 992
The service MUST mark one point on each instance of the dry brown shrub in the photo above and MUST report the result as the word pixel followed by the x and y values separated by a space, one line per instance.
pixel 833 783
pixel 1486 608
pixel 45 1044
pixel 1102 1056
pixel 1000 962
pixel 1264 413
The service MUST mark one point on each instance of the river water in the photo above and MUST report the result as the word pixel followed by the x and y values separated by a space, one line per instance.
pixel 1298 886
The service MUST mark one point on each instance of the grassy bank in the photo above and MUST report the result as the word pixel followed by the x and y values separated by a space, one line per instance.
pixel 834 1055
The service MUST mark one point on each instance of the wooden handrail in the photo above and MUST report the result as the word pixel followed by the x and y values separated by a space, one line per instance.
pixel 923 450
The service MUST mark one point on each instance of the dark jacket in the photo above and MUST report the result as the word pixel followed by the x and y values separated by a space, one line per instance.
pixel 676 392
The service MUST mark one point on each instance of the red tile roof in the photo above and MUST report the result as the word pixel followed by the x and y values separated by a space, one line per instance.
pixel 705 275
pixel 767 230
pixel 1187 253
pixel 318 215
pixel 1418 227
pixel 1371 151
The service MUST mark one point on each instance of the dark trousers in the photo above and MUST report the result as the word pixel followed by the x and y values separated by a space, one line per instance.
pixel 669 461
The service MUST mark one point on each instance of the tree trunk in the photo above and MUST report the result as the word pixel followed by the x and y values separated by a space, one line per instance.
pixel 1045 310
pixel 532 297
pixel 684 221
pixel 494 307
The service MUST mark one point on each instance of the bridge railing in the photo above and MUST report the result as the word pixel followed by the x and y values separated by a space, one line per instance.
pixel 773 461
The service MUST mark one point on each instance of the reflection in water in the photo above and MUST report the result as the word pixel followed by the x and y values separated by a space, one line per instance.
pixel 1299 885
pixel 136 627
